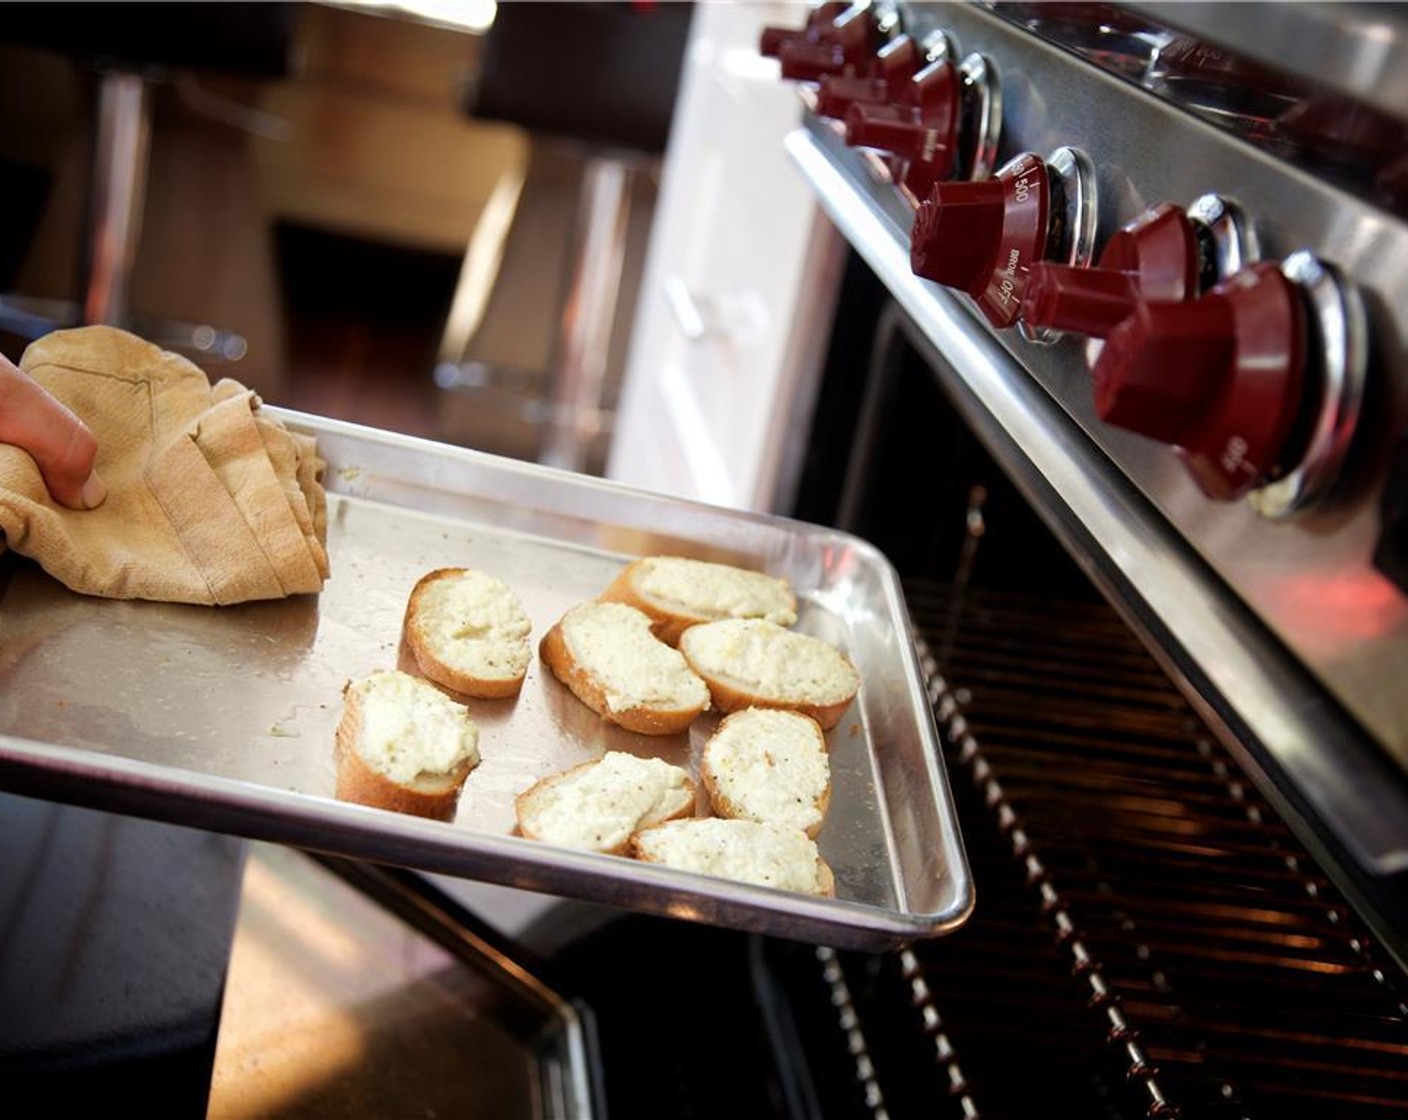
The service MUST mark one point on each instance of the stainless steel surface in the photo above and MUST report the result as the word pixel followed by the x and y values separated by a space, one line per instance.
pixel 556 1028
pixel 1231 238
pixel 224 719
pixel 1128 542
pixel 1357 48
pixel 579 382
pixel 1308 579
pixel 1075 175
pixel 937 45
pixel 1337 346
pixel 981 82
pixel 118 188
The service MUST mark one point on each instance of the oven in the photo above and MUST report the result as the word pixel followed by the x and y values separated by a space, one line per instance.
pixel 1166 666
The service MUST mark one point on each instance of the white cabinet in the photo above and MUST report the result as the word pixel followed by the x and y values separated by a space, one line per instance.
pixel 739 285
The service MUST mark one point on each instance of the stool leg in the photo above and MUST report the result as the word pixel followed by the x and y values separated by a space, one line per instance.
pixel 576 415
pixel 120 155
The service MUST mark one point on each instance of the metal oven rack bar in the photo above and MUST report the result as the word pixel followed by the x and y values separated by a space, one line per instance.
pixel 1151 940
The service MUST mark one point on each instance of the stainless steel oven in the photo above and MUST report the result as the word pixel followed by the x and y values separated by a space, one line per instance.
pixel 1272 590
pixel 1152 543
pixel 1164 630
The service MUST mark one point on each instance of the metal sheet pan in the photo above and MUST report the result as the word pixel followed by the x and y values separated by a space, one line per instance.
pixel 223 718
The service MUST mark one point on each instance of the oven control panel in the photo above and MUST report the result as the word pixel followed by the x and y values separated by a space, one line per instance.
pixel 1232 378
pixel 1224 378
pixel 1209 294
pixel 984 236
pixel 1167 253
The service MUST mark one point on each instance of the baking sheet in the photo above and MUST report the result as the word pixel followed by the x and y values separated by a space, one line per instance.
pixel 223 718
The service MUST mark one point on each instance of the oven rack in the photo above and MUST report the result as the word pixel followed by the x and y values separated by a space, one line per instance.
pixel 1165 949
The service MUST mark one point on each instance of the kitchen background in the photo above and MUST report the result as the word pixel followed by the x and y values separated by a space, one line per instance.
pixel 393 208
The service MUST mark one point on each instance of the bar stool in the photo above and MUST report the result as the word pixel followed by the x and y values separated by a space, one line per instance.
pixel 602 78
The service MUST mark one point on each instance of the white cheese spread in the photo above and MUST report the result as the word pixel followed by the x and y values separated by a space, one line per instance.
pixel 766 854
pixel 770 662
pixel 707 590
pixel 614 644
pixel 475 624
pixel 601 805
pixel 411 730
pixel 770 766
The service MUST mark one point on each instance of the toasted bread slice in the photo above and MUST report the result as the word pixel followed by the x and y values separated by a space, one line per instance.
pixel 678 593
pixel 403 745
pixel 769 855
pixel 468 632
pixel 608 656
pixel 752 663
pixel 601 804
pixel 769 766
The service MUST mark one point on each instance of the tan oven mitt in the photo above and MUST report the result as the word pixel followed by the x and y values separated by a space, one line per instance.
pixel 210 500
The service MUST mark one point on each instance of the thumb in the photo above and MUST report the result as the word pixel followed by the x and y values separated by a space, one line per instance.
pixel 59 442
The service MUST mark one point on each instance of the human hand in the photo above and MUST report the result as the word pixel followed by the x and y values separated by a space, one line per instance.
pixel 61 445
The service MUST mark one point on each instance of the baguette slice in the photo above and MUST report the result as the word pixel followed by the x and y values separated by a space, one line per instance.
pixel 769 855
pixel 468 632
pixel 678 593
pixel 769 766
pixel 403 745
pixel 601 804
pixel 752 663
pixel 608 656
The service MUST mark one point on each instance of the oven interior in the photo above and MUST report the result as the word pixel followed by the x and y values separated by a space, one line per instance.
pixel 1150 939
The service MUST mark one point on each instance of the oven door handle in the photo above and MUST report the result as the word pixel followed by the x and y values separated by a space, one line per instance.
pixel 691 313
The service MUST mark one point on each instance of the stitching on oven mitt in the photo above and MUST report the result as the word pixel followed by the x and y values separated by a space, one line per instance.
pixel 209 499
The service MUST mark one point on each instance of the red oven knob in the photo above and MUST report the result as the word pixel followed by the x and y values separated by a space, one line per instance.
pixel 1167 254
pixel 942 122
pixel 894 64
pixel 984 237
pixel 773 38
pixel 843 45
pixel 921 127
pixel 1155 257
pixel 809 62
pixel 1222 378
